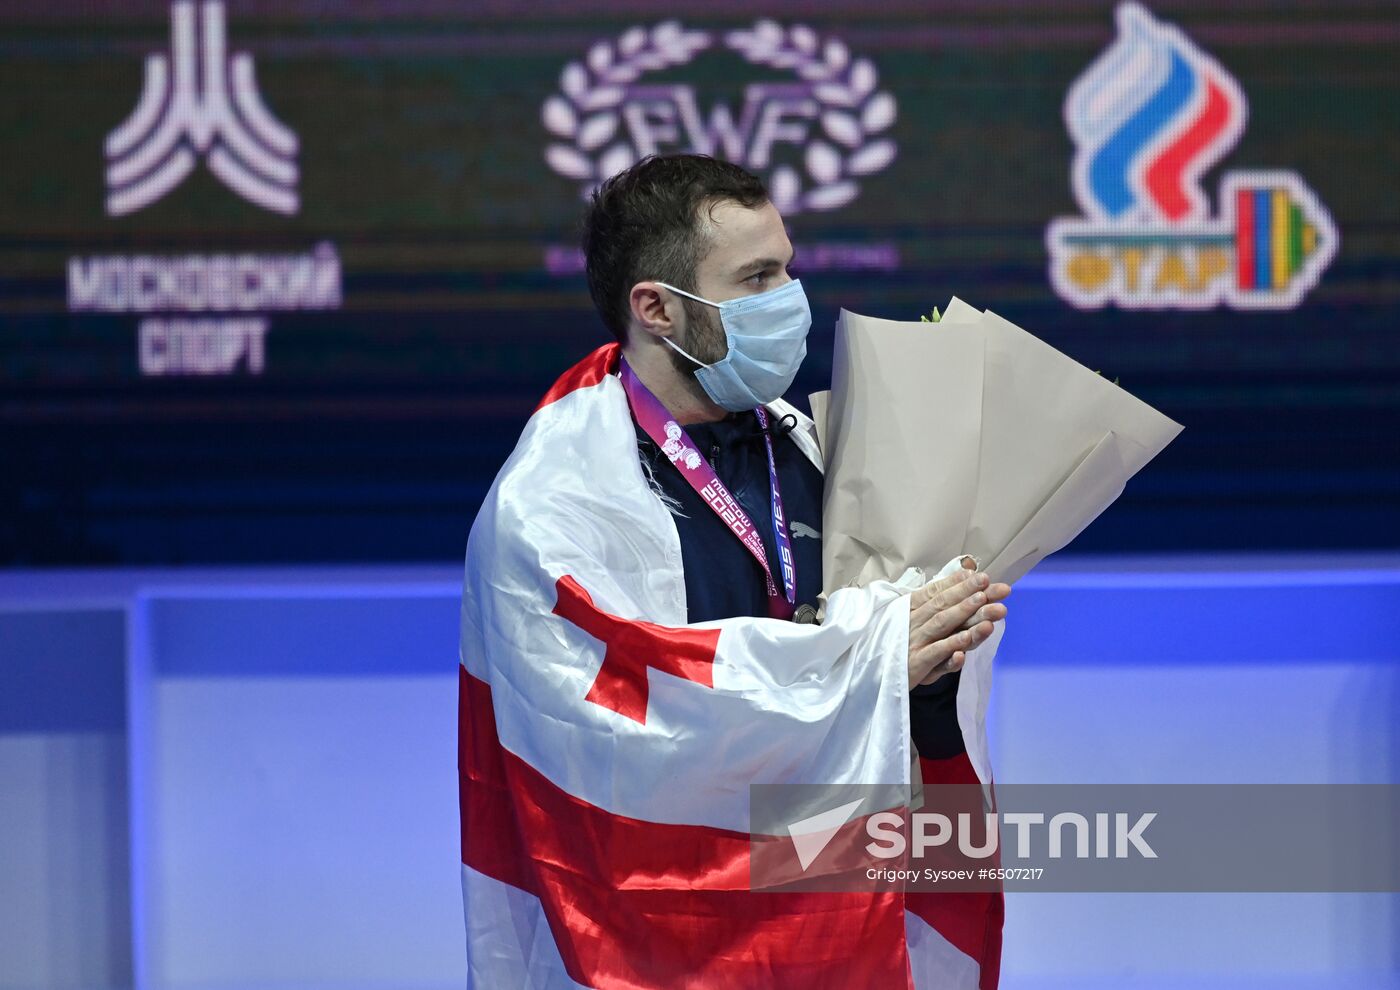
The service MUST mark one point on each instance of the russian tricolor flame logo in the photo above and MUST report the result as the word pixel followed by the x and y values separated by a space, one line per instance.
pixel 1149 117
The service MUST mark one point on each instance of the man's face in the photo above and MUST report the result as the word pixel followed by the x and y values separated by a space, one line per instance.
pixel 749 253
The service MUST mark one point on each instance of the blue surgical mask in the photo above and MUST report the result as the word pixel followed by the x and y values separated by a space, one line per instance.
pixel 767 337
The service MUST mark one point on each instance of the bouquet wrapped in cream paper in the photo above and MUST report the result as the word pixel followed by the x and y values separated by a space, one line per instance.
pixel 966 436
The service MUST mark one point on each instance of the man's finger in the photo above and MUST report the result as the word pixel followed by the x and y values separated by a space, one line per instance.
pixel 994 612
pixel 934 662
pixel 943 583
pixel 953 663
pixel 955 617
pixel 944 593
pixel 948 610
pixel 930 624
pixel 964 640
pixel 987 613
pixel 930 656
pixel 980 634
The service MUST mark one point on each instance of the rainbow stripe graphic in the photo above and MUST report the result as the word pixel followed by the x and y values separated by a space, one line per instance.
pixel 1272 238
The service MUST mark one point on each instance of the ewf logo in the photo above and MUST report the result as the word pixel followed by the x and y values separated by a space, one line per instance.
pixel 1148 118
pixel 830 119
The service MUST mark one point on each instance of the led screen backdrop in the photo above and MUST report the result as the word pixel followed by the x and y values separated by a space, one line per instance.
pixel 281 281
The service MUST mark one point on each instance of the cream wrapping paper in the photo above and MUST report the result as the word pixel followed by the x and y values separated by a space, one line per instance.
pixel 967 436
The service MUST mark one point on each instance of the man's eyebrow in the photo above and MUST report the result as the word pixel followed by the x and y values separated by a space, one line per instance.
pixel 759 264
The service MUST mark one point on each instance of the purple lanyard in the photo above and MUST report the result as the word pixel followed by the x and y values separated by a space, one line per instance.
pixel 667 434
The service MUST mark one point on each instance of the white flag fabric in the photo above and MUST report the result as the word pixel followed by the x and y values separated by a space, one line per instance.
pixel 607 745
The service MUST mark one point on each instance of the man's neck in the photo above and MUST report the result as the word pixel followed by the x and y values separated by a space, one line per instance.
pixel 681 394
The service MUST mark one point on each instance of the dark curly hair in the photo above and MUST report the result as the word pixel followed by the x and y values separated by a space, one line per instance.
pixel 645 223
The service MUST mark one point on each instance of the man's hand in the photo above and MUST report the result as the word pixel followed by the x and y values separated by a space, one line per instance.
pixel 949 617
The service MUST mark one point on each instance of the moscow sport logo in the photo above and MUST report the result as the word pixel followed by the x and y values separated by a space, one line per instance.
pixel 202 313
pixel 1148 118
pixel 829 108
pixel 199 101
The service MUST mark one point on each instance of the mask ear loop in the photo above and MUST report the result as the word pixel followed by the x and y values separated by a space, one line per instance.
pixel 677 348
pixel 688 295
pixel 673 345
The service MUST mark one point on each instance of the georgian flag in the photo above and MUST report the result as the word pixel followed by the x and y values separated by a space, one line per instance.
pixel 607 746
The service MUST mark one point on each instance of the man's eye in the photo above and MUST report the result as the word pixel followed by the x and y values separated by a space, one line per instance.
pixel 757 278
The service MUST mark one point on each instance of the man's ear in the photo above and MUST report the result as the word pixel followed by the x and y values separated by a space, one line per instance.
pixel 650 311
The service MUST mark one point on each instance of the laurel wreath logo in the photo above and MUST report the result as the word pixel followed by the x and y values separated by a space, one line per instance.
pixel 585 115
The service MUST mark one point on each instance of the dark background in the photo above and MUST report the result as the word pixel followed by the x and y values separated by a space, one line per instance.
pixel 375 429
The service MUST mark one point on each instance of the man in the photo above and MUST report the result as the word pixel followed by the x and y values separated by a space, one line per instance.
pixel 630 659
